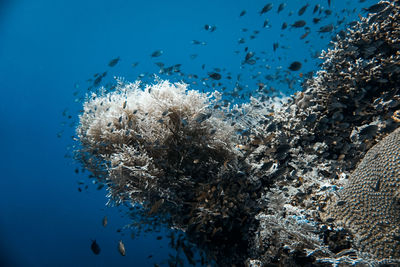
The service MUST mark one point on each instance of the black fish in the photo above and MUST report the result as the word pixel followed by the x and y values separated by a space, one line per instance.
pixel 265 23
pixel 113 62
pixel 316 20
pixel 242 13
pixel 284 25
pixel 95 247
pixel 302 10
pixel 315 8
pixel 214 75
pixel 295 66
pixel 157 53
pixel 210 28
pixel 299 24
pixel 275 46
pixel 327 28
pixel 281 7
pixel 266 8
pixel 249 55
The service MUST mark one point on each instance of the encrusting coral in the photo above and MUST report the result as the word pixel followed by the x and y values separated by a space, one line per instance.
pixel 369 205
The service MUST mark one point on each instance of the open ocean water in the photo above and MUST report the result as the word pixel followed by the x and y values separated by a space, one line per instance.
pixel 53 52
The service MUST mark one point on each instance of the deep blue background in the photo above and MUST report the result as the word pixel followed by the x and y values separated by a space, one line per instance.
pixel 48 49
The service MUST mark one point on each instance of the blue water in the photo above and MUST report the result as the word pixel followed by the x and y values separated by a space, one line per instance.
pixel 48 51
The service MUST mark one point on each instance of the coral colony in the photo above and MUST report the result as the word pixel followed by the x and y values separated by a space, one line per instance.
pixel 314 180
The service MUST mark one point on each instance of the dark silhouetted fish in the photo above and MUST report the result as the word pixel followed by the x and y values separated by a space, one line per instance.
pixel 327 28
pixel 304 35
pixel 294 66
pixel 316 20
pixel 242 13
pixel 266 8
pixel 105 221
pixel 302 10
pixel 265 23
pixel 284 26
pixel 210 28
pixel 214 75
pixel 249 55
pixel 95 247
pixel 298 24
pixel 157 53
pixel 113 62
pixel 275 46
pixel 316 8
pixel 121 248
pixel 281 7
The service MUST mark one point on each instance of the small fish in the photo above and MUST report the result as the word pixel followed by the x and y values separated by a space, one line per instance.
pixel 284 26
pixel 304 35
pixel 265 23
pixel 95 247
pixel 134 64
pixel 121 248
pixel 249 55
pixel 242 13
pixel 156 206
pixel 316 20
pixel 157 53
pixel 159 64
pixel 303 9
pixel 275 46
pixel 298 24
pixel 105 221
pixel 266 8
pixel 210 28
pixel 327 28
pixel 214 75
pixel 113 62
pixel 294 66
pixel 316 8
pixel 281 7
pixel 329 3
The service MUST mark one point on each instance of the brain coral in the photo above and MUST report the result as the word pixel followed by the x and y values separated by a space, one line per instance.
pixel 369 205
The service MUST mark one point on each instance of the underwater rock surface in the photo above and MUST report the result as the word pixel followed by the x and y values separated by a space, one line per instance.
pixel 255 184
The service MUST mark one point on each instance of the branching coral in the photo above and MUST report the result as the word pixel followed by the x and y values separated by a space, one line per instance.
pixel 142 138
pixel 172 150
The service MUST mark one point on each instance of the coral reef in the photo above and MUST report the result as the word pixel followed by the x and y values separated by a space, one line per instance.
pixel 369 204
pixel 253 184
pixel 171 150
